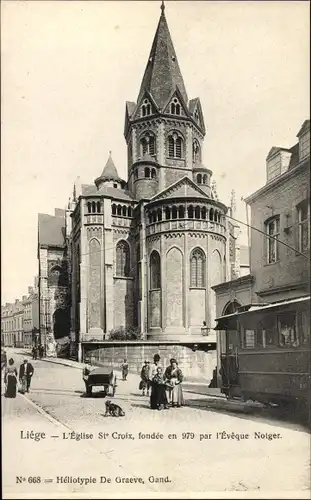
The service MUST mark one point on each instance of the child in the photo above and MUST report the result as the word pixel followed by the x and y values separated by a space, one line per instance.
pixel 145 378
pixel 158 399
pixel 125 369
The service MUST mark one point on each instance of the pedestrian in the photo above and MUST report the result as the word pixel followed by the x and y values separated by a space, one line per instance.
pixel 10 379
pixel 125 369
pixel 41 351
pixel 26 372
pixel 34 352
pixel 158 399
pixel 174 378
pixel 154 366
pixel 4 359
pixel 144 384
pixel 85 375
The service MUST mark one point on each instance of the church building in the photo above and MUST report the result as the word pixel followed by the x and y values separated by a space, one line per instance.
pixel 146 250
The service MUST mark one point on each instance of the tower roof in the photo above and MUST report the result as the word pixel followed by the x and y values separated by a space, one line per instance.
pixel 109 173
pixel 162 74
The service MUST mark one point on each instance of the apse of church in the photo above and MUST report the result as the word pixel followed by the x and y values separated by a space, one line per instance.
pixel 146 251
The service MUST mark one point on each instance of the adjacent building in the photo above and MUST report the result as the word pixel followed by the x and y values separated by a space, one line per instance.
pixel 31 317
pixel 279 254
pixel 20 320
pixel 53 284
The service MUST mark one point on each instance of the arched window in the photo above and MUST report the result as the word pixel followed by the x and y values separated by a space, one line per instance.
pixel 199 179
pixel 175 145
pixel 147 172
pixel 181 212
pixel 89 207
pixel 123 259
pixel 155 271
pixel 119 210
pixel 124 211
pixel 174 212
pixel 154 216
pixel 211 214
pixel 175 107
pixel 204 179
pixel 190 212
pixel 197 268
pixel 98 207
pixel 93 207
pixel 203 213
pixel 146 108
pixel 147 144
pixel 159 214
pixel 153 173
pixel 114 209
pixel 129 212
pixel 216 216
pixel 197 212
pixel 167 213
pixel 196 152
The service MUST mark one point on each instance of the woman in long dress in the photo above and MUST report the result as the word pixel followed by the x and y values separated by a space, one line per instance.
pixel 158 399
pixel 174 376
pixel 10 379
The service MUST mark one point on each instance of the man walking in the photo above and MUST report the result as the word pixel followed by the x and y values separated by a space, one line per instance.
pixel 34 352
pixel 26 371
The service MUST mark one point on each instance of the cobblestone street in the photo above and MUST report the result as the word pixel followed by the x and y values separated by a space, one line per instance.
pixel 57 406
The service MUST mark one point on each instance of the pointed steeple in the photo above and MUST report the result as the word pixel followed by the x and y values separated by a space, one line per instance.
pixel 162 74
pixel 109 173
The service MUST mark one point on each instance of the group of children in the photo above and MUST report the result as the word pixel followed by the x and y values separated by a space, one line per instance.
pixel 166 389
pixel 163 387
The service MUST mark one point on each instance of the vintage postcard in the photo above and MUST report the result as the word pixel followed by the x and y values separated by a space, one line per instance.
pixel 155 313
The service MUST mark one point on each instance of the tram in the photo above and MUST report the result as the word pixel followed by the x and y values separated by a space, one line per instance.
pixel 267 355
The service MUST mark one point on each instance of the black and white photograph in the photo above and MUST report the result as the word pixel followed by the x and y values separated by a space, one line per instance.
pixel 155 306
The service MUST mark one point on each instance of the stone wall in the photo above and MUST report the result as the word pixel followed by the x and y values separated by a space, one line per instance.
pixel 123 302
pixel 196 366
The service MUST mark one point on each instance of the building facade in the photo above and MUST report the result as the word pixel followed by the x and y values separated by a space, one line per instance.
pixel 279 250
pixel 53 283
pixel 146 251
pixel 31 317
pixel 20 320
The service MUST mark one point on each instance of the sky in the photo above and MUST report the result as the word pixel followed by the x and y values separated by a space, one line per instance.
pixel 68 68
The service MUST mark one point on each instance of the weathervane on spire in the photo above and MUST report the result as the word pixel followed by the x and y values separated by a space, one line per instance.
pixel 162 7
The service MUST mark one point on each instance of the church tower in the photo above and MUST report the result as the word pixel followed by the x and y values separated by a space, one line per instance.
pixel 164 131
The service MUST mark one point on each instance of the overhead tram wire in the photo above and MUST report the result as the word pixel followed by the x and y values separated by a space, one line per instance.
pixel 240 222
pixel 269 236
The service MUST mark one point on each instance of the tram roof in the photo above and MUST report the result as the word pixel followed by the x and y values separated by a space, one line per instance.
pixel 264 307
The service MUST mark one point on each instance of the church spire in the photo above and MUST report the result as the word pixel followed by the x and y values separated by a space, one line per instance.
pixel 162 74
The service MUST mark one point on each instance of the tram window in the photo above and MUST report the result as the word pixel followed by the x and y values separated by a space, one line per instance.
pixel 287 330
pixel 305 327
pixel 249 339
pixel 271 337
pixel 261 337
